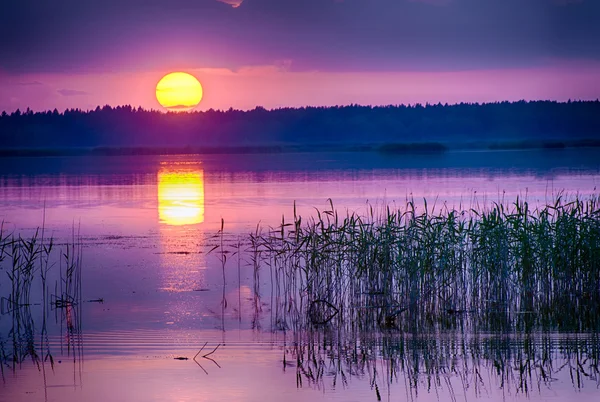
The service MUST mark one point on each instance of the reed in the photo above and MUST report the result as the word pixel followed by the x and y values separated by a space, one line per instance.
pixel 494 263
pixel 23 256
pixel 68 288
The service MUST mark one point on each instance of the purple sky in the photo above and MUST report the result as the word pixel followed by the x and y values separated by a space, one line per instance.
pixel 77 53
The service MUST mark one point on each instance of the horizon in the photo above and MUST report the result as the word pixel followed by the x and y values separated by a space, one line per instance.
pixel 260 107
pixel 311 88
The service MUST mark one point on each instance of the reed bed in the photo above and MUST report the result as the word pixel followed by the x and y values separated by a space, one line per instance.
pixel 393 268
pixel 30 263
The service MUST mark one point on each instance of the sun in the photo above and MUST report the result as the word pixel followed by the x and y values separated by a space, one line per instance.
pixel 179 91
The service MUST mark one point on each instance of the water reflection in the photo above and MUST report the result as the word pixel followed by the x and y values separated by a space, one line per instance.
pixel 182 264
pixel 180 195
pixel 450 365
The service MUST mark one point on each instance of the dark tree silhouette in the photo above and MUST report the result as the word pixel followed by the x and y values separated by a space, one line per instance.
pixel 502 124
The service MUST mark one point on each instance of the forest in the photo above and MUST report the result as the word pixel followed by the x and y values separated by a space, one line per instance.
pixel 401 128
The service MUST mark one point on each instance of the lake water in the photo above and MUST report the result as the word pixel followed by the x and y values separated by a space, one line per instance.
pixel 152 294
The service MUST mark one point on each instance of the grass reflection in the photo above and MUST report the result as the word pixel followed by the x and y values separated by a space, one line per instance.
pixel 451 363
pixel 180 196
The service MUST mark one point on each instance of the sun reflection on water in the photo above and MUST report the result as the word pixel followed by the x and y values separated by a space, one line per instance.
pixel 180 196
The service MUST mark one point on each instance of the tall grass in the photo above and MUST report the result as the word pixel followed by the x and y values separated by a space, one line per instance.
pixel 68 289
pixel 393 267
pixel 29 263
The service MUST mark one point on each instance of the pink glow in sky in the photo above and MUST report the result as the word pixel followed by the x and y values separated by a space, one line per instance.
pixel 81 54
pixel 275 86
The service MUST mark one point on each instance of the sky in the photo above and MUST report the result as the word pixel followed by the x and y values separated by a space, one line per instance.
pixel 278 53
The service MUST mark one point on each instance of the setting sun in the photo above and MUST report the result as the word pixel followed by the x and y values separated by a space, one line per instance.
pixel 179 91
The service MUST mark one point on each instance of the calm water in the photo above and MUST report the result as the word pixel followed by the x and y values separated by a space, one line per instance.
pixel 145 225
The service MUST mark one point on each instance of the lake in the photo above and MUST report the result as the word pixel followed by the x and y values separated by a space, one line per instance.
pixel 159 316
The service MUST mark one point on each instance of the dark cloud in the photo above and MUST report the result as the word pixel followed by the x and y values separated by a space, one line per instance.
pixel 71 92
pixel 29 84
pixel 349 35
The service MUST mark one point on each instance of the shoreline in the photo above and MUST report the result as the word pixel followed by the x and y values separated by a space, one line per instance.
pixel 394 148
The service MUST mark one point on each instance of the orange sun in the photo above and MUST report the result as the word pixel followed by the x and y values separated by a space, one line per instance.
pixel 179 91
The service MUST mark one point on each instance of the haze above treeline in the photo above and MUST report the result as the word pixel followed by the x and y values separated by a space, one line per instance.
pixel 437 127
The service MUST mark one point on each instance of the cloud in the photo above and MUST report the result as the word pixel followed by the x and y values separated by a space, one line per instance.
pixel 324 35
pixel 71 92
pixel 232 3
pixel 28 84
pixel 284 64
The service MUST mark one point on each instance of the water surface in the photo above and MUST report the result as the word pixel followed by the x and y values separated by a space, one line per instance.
pixel 146 224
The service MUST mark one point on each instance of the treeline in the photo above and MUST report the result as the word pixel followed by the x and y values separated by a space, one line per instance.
pixel 538 122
